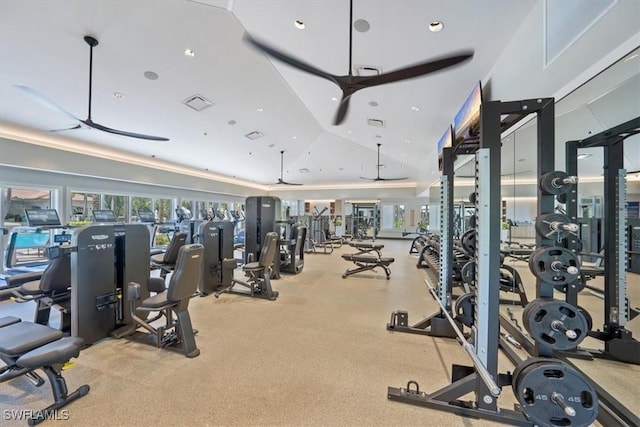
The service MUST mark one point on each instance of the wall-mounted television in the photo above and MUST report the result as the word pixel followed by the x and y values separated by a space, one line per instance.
pixel 104 216
pixel 42 218
pixel 466 122
pixel 446 140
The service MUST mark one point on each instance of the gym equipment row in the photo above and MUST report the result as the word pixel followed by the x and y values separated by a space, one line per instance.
pixel 550 391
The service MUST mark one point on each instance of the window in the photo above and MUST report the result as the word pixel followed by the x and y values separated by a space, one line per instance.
pixel 393 217
pixel 82 204
pixel 140 204
pixel 16 200
pixel 163 210
pixel 118 204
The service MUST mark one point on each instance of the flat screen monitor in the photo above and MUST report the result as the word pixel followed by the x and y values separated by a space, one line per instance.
pixel 42 218
pixel 61 238
pixel 104 216
pixel 446 140
pixel 468 117
pixel 146 216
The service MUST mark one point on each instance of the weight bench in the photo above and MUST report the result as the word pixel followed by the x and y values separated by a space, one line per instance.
pixel 25 347
pixel 367 262
pixel 366 248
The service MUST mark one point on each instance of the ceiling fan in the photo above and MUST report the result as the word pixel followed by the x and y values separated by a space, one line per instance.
pixel 92 42
pixel 376 179
pixel 502 175
pixel 281 179
pixel 350 84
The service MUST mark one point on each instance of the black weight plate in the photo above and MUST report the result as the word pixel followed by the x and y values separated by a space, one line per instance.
pixel 536 383
pixel 464 309
pixel 544 263
pixel 468 272
pixel 468 242
pixel 544 229
pixel 472 197
pixel 547 186
pixel 542 318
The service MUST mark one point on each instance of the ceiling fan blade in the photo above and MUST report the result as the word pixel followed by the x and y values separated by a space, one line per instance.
pixel 289 183
pixel 417 70
pixel 35 95
pixel 98 126
pixel 287 59
pixel 66 129
pixel 341 114
pixel 393 179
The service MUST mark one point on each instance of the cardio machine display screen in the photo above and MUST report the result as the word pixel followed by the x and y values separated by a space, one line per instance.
pixel 146 216
pixel 106 215
pixel 42 218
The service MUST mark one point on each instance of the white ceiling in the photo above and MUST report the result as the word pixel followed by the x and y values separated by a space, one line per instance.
pixel 42 47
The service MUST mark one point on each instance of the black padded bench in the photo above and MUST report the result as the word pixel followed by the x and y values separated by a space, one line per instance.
pixel 366 248
pixel 367 262
pixel 26 346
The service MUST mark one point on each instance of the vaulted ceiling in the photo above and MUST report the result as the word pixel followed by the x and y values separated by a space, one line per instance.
pixel 42 48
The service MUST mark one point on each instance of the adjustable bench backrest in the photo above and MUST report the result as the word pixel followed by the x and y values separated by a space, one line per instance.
pixel 57 276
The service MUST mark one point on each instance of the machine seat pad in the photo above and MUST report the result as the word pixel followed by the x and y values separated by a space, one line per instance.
pixel 365 245
pixel 19 279
pixel 157 301
pixel 55 352
pixel 158 258
pixel 9 320
pixel 252 266
pixel 31 288
pixel 368 259
pixel 20 338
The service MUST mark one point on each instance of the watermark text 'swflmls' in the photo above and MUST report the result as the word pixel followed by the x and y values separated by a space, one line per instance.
pixel 28 414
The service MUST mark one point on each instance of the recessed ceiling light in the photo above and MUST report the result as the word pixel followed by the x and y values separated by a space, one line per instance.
pixel 231 122
pixel 378 136
pixel 118 95
pixel 584 156
pixel 361 25
pixel 334 99
pixel 271 145
pixel 299 24
pixel 189 53
pixel 294 137
pixel 260 110
pixel 373 103
pixel 406 141
pixel 435 26
pixel 151 75
pixel 349 131
pixel 414 108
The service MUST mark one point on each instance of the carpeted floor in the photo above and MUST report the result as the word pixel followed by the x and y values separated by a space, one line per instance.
pixel 319 355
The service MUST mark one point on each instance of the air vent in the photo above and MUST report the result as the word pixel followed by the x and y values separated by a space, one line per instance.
pixel 366 70
pixel 197 102
pixel 376 122
pixel 254 135
pixel 304 170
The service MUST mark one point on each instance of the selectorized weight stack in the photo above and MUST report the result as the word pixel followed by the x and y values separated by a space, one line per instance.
pixel 218 263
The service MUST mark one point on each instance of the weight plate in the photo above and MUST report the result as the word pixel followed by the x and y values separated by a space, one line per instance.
pixel 552 393
pixel 464 309
pixel 587 317
pixel 472 197
pixel 545 226
pixel 555 323
pixel 468 242
pixel 551 183
pixel 468 272
pixel 555 265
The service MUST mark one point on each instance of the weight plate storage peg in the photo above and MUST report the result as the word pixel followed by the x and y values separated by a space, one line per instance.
pixel 551 393
pixel 555 226
pixel 468 272
pixel 468 242
pixel 555 265
pixel 555 323
pixel 557 182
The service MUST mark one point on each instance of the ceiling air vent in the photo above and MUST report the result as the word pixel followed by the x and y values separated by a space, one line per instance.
pixel 197 102
pixel 376 122
pixel 367 70
pixel 304 170
pixel 254 135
